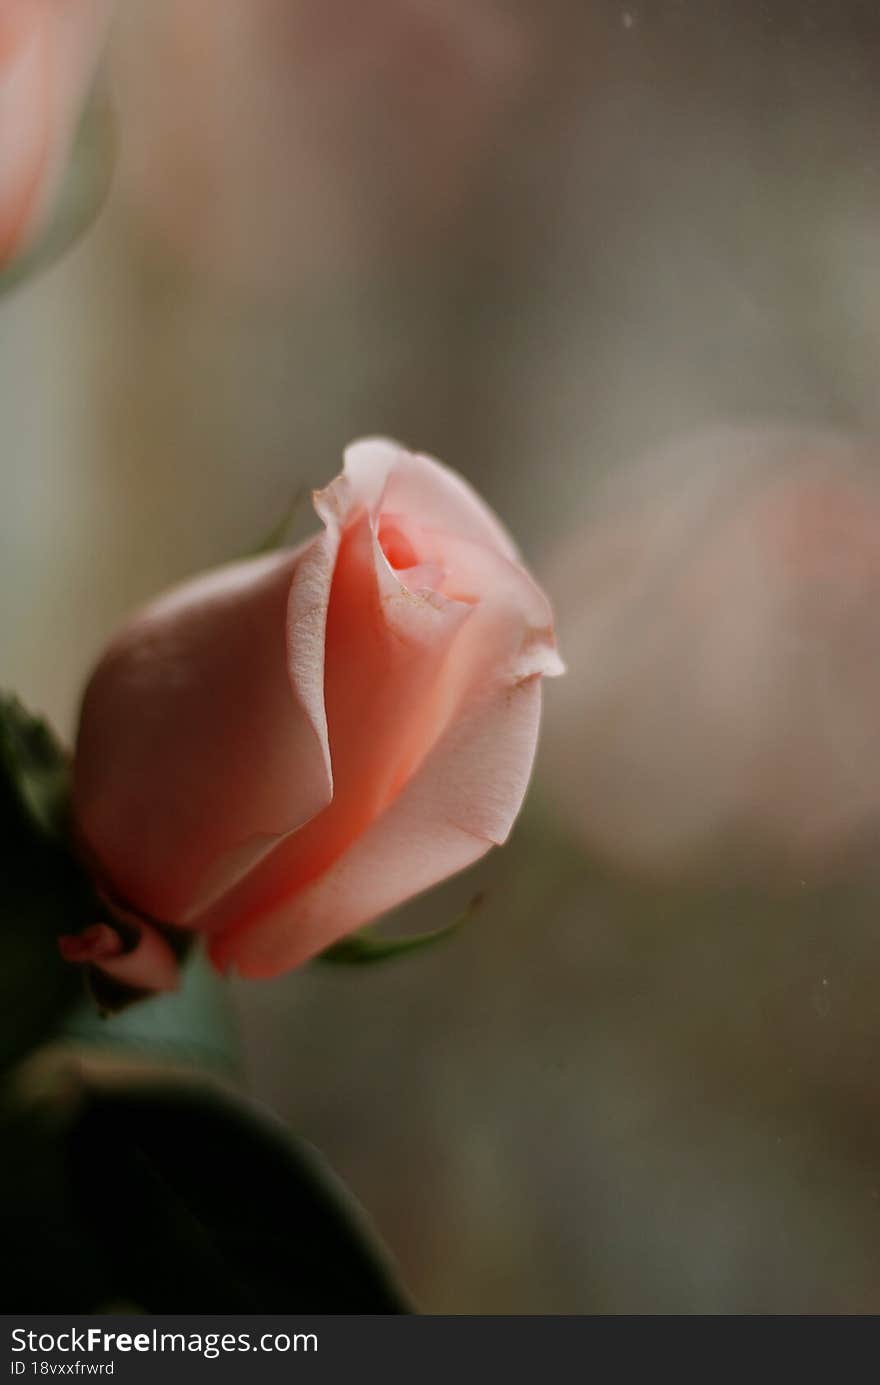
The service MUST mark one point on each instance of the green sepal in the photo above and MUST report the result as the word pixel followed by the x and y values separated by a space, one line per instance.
pixel 368 946
pixel 193 1027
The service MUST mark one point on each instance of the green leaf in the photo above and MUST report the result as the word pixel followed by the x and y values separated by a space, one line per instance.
pixel 82 193
pixel 367 946
pixel 34 766
pixel 176 1196
pixel 43 890
pixel 278 533
pixel 61 1265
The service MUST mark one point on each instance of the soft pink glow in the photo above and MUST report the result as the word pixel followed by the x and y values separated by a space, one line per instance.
pixel 721 620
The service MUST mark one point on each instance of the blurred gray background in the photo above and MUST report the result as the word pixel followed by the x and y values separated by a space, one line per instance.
pixel 539 239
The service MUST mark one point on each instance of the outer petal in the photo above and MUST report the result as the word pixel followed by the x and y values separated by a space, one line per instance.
pixel 465 798
pixel 386 704
pixel 198 744
pixel 462 797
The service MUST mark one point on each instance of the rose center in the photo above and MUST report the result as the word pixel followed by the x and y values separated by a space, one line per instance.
pixel 396 546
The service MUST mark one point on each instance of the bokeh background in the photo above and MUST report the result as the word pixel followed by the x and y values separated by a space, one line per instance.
pixel 561 244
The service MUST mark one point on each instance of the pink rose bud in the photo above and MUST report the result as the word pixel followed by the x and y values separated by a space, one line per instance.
pixel 723 629
pixel 48 51
pixel 277 752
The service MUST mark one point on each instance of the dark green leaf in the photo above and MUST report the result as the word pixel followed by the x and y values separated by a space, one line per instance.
pixel 43 891
pixel 60 1266
pixel 203 1207
pixel 177 1197
pixel 34 767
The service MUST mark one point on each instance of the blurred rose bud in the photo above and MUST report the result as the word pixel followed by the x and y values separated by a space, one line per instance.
pixel 48 51
pixel 722 620
pixel 322 134
pixel 277 752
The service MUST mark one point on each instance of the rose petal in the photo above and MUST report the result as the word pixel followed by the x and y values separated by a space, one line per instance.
pixel 386 704
pixel 430 832
pixel 381 474
pixel 195 752
pixel 462 797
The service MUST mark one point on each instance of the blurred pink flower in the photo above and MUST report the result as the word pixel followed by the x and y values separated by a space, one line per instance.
pixel 292 137
pixel 48 51
pixel 722 621
pixel 277 752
